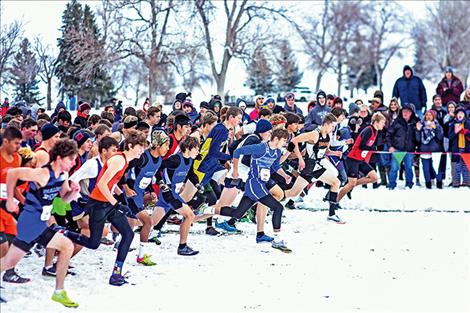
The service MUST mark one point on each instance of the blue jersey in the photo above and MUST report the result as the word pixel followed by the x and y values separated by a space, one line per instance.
pixel 38 205
pixel 264 161
pixel 175 170
pixel 143 175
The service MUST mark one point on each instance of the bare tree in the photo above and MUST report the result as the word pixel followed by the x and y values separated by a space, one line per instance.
pixel 348 18
pixel 47 66
pixel 443 37
pixel 240 38
pixel 9 34
pixel 147 36
pixel 318 42
pixel 385 24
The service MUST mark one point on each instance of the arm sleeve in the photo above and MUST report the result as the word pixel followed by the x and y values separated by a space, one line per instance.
pixel 214 150
pixel 87 170
pixel 247 150
pixel 395 92
pixel 171 163
pixel 423 96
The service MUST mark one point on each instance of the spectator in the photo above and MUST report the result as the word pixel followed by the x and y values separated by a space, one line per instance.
pixel 242 105
pixel 5 106
pixel 357 124
pixel 82 115
pixel 64 120
pixel 401 137
pixel 450 87
pixel 315 117
pixel 447 119
pixel 290 105
pixel 430 139
pixel 59 107
pixel 393 110
pixel 459 142
pixel 379 94
pixel 410 89
pixel 146 105
pixel 310 106
pixel 189 109
pixel 338 103
pixel 258 100
pixel 437 107
pixel 330 99
pixel 29 129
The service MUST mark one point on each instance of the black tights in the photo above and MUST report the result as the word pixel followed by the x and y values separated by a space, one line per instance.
pixel 246 203
pixel 99 213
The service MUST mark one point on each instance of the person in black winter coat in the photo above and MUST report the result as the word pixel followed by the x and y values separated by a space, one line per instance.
pixel 410 89
pixel 401 137
pixel 82 115
pixel 430 136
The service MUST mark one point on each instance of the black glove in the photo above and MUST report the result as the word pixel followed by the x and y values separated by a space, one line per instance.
pixel 290 147
pixel 121 208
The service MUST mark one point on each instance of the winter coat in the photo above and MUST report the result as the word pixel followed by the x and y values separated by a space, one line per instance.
pixel 454 89
pixel 453 137
pixel 59 106
pixel 410 90
pixel 193 115
pixel 440 114
pixel 430 139
pixel 401 134
pixel 295 110
pixel 315 117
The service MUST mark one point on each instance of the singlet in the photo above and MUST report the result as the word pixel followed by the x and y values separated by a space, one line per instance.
pixel 176 177
pixel 174 147
pixel 361 155
pixel 317 151
pixel 261 166
pixel 4 167
pixel 96 194
pixel 141 177
pixel 39 199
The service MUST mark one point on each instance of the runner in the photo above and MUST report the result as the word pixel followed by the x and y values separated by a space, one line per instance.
pixel 103 205
pixel 45 184
pixel 141 175
pixel 316 165
pixel 358 159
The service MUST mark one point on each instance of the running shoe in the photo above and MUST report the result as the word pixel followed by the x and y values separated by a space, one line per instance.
pixel 146 260
pixel 155 240
pixel 63 299
pixel 39 250
pixel 264 238
pixel 335 219
pixel 174 220
pixel 106 241
pixel 117 280
pixel 52 271
pixel 211 231
pixel 281 245
pixel 13 277
pixel 225 226
pixel 187 251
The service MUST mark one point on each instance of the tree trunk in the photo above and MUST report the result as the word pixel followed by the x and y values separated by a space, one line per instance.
pixel 379 78
pixel 340 78
pixel 319 77
pixel 49 94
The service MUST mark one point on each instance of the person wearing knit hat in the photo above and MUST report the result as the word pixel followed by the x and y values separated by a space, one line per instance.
pixel 82 115
pixel 50 136
pixel 204 107
pixel 188 108
pixel 263 126
pixel 84 143
pixel 141 176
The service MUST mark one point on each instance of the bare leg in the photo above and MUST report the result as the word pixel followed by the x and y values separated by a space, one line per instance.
pixel 65 248
pixel 299 185
pixel 261 211
pixel 188 191
pixel 187 221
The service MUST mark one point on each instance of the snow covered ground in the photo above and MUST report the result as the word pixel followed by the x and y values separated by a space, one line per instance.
pixel 378 261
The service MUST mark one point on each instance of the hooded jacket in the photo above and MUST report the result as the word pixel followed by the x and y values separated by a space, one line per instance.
pixel 402 134
pixel 316 115
pixel 453 89
pixel 410 90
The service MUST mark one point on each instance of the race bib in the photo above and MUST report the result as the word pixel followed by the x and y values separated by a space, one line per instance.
pixel 364 154
pixel 264 174
pixel 321 153
pixel 3 191
pixel 144 182
pixel 179 187
pixel 46 212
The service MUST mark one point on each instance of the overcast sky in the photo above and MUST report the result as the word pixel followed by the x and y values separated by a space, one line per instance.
pixel 44 18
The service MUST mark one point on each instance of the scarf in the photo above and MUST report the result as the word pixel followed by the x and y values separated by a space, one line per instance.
pixel 461 138
pixel 81 114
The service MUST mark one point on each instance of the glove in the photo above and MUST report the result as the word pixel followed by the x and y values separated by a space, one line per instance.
pixel 290 147
pixel 121 208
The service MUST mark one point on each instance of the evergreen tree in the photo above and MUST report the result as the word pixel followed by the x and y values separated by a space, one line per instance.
pixel 80 64
pixel 23 74
pixel 288 75
pixel 260 74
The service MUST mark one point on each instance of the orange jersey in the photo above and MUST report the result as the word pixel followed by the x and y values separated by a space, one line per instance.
pixel 96 194
pixel 7 221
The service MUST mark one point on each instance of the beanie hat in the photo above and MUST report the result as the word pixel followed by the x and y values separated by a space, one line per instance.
pixel 48 131
pixel 84 106
pixel 409 106
pixel 81 136
pixel 188 102
pixel 181 96
pixel 450 69
pixel 158 138
pixel 263 126
pixel 353 108
pixel 205 105
pixel 130 121
pixel 459 108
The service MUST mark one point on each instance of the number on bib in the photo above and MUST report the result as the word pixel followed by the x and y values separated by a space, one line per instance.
pixel 144 182
pixel 265 174
pixel 46 212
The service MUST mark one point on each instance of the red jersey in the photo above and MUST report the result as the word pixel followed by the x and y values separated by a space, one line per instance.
pixel 363 144
pixel 96 194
